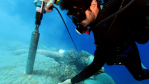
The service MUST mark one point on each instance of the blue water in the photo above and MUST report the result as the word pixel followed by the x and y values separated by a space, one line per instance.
pixel 17 21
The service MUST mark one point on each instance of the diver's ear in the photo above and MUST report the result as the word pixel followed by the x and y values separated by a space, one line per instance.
pixel 93 5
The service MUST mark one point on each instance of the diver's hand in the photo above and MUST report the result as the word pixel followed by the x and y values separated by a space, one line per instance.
pixel 49 3
pixel 68 81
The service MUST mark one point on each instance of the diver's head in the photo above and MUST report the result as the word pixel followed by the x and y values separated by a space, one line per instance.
pixel 82 12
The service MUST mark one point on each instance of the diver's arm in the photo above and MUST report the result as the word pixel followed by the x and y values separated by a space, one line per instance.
pixel 95 66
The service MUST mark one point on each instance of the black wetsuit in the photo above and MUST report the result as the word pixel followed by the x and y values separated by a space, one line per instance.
pixel 128 28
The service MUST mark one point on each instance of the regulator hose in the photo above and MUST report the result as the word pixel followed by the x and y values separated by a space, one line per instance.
pixel 107 6
pixel 66 28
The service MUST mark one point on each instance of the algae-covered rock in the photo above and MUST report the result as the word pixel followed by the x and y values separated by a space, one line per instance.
pixel 82 62
pixel 39 51
pixel 91 81
pixel 71 56
pixel 49 53
pixel 104 78
pixel 84 57
pixel 46 71
pixel 70 71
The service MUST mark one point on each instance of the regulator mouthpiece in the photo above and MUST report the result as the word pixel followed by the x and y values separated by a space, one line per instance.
pixel 83 30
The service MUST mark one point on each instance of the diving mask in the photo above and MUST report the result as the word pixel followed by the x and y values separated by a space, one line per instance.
pixel 77 15
pixel 80 28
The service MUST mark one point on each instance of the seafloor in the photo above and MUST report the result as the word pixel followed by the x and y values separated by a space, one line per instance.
pixel 50 66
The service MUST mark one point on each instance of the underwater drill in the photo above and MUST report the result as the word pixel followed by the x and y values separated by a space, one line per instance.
pixel 40 5
pixel 35 37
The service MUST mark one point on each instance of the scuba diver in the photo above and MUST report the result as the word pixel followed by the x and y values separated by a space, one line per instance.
pixel 116 27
